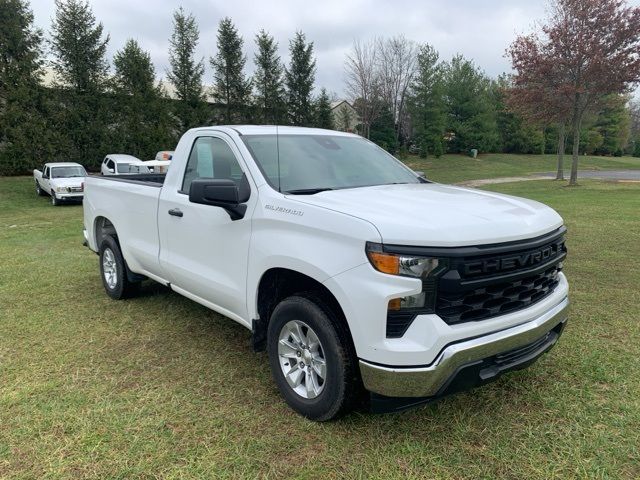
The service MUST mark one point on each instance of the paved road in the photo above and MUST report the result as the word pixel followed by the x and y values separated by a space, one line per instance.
pixel 600 174
pixel 616 175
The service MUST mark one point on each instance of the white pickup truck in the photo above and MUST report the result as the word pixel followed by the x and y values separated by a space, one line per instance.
pixel 361 279
pixel 62 181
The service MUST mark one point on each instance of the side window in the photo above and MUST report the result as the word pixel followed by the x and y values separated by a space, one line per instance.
pixel 45 173
pixel 110 164
pixel 210 157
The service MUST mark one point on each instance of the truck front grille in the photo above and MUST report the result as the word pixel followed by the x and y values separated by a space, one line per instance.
pixel 496 299
pixel 501 279
pixel 484 281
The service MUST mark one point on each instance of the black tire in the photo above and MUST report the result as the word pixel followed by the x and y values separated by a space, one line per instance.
pixel 55 201
pixel 342 386
pixel 121 287
pixel 39 191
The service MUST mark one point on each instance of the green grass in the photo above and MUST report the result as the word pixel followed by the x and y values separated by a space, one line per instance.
pixel 159 386
pixel 457 168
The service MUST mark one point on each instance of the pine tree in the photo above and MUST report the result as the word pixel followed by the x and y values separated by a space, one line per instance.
pixel 232 89
pixel 426 103
pixel 323 113
pixel 268 80
pixel 22 108
pixel 79 49
pixel 143 125
pixel 471 116
pixel 185 74
pixel 517 135
pixel 134 72
pixel 613 124
pixel 299 78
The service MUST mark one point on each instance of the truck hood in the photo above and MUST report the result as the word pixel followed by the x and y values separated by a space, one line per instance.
pixel 67 182
pixel 436 215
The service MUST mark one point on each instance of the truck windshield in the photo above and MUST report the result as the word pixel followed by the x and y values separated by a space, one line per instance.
pixel 66 172
pixel 311 163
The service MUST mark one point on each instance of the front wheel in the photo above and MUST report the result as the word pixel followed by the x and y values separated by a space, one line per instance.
pixel 311 359
pixel 54 200
pixel 114 272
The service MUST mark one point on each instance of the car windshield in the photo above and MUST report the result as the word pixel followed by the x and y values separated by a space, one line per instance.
pixel 66 172
pixel 311 163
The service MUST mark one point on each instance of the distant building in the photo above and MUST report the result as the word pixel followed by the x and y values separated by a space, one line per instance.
pixel 345 117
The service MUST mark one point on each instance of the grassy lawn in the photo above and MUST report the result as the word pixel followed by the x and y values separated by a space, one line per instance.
pixel 457 168
pixel 159 386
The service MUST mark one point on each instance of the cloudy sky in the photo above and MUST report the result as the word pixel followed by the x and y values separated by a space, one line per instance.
pixel 478 29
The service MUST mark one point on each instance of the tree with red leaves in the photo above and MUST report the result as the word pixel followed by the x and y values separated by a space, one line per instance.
pixel 587 50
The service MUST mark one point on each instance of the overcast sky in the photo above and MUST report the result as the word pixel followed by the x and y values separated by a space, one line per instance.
pixel 478 29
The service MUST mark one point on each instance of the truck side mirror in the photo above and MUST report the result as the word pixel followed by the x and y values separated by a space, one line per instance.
pixel 111 170
pixel 218 193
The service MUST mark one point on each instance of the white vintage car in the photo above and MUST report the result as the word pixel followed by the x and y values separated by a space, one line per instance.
pixel 62 181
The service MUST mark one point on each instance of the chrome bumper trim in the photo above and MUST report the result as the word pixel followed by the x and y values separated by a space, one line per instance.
pixel 427 381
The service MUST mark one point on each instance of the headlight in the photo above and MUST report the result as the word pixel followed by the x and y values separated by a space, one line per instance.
pixel 61 189
pixel 402 310
pixel 393 264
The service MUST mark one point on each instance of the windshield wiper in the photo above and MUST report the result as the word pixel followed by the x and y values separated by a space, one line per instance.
pixel 307 191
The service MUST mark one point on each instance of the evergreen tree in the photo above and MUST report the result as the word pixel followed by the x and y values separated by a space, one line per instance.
pixel 345 118
pixel 471 117
pixel 299 78
pixel 516 135
pixel 426 103
pixel 79 48
pixel 382 131
pixel 232 89
pixel 268 80
pixel 134 72
pixel 323 113
pixel 143 125
pixel 185 74
pixel 22 101
pixel 613 124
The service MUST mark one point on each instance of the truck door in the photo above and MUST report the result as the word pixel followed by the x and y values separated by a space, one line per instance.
pixel 46 180
pixel 204 252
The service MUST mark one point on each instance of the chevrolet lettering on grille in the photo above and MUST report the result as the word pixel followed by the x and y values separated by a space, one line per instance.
pixel 512 262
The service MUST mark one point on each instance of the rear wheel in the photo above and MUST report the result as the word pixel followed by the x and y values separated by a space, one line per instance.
pixel 311 359
pixel 39 191
pixel 114 272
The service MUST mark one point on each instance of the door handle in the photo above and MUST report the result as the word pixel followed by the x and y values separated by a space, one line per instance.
pixel 176 212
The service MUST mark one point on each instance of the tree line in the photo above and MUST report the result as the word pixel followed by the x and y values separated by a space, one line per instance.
pixel 92 109
pixel 408 100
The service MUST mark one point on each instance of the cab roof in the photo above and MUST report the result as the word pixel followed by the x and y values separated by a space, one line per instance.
pixel 62 164
pixel 123 157
pixel 272 130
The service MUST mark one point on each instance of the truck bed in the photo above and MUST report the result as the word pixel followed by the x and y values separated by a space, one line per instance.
pixel 149 179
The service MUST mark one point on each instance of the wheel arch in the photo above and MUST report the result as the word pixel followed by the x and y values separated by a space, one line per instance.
pixel 279 283
pixel 103 227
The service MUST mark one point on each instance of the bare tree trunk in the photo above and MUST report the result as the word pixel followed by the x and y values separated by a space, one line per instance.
pixel 573 179
pixel 561 140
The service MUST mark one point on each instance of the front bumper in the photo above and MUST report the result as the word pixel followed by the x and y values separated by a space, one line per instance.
pixel 536 336
pixel 69 196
